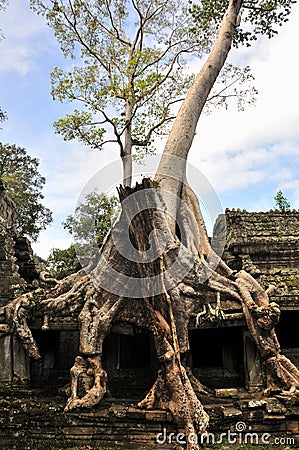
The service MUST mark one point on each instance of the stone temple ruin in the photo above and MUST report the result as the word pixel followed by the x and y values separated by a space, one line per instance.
pixel 265 244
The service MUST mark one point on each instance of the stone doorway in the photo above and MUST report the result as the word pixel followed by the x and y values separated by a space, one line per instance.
pixel 217 356
pixel 129 359
pixel 58 349
pixel 288 336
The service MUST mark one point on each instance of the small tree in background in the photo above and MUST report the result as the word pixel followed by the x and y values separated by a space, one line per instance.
pixel 92 219
pixel 24 183
pixel 281 202
pixel 88 225
pixel 61 263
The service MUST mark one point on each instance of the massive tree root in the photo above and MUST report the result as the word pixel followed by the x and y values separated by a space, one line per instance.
pixel 166 302
pixel 261 318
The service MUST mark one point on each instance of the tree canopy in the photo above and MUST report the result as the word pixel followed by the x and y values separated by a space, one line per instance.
pixel 131 69
pixel 88 225
pixel 19 171
pixel 256 17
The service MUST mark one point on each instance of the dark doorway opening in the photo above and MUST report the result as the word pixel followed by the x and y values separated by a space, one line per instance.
pixel 134 352
pixel 217 356
pixel 42 371
pixel 129 359
pixel 288 335
pixel 58 350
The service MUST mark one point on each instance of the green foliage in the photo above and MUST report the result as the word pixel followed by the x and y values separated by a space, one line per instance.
pixel 92 219
pixel 281 202
pixel 233 83
pixel 129 62
pixel 88 225
pixel 130 71
pixel 79 126
pixel 61 263
pixel 259 17
pixel 19 171
pixel 3 115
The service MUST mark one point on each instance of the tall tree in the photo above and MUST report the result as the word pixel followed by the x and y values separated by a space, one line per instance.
pixel 130 72
pixel 19 171
pixel 161 280
pixel 89 225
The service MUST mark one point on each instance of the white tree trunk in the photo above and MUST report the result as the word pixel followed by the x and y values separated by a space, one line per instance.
pixel 180 139
pixel 127 151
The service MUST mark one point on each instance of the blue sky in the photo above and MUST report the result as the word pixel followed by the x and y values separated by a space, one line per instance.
pixel 247 156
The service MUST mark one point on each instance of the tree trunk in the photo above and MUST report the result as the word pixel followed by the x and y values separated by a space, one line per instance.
pixel 126 154
pixel 171 173
pixel 126 159
pixel 261 317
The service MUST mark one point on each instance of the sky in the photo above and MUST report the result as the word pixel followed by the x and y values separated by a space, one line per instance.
pixel 246 156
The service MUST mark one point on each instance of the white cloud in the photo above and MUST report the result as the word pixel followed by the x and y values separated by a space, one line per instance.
pixel 25 39
pixel 293 186
pixel 50 239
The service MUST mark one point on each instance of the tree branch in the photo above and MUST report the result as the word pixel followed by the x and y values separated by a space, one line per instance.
pixel 120 39
pixel 224 89
pixel 146 141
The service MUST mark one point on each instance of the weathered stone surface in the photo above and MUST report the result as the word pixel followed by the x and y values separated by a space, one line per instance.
pixel 156 416
pixel 274 406
pixel 45 423
pixel 256 404
pixel 21 369
pixel 226 393
pixel 5 359
pixel 266 244
pixel 231 411
pixel 118 411
pixel 17 265
pixel 254 378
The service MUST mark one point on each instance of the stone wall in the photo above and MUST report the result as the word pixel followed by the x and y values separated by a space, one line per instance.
pixel 17 271
pixel 266 244
pixel 10 280
pixel 17 265
pixel 40 423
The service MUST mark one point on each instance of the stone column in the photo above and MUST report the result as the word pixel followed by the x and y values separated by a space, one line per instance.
pixel 21 368
pixel 6 359
pixel 254 377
